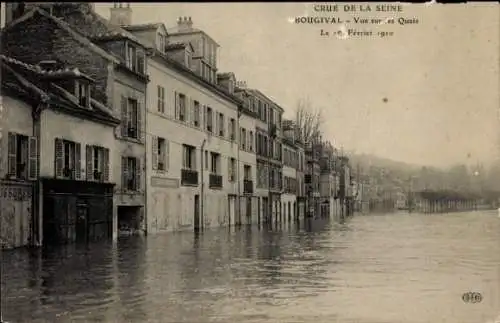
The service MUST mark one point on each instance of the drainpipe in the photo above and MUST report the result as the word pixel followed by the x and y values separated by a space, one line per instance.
pixel 202 186
pixel 35 195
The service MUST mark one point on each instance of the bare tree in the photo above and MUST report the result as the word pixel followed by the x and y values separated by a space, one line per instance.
pixel 308 122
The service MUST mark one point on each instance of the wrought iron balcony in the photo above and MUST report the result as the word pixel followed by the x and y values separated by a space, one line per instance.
pixel 215 181
pixel 189 177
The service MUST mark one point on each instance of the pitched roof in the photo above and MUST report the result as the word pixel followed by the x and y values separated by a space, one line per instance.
pixel 57 73
pixel 31 82
pixel 66 27
pixel 89 23
pixel 170 62
pixel 259 93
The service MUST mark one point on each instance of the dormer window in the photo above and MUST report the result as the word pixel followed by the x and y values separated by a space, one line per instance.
pixel 82 92
pixel 135 59
pixel 161 42
pixel 188 58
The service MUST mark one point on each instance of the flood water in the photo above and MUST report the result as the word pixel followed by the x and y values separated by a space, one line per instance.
pixel 390 268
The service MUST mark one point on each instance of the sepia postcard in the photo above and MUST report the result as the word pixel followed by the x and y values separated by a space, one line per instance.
pixel 250 162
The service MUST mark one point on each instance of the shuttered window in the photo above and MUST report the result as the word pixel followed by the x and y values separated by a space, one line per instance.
pixel 161 99
pixel 209 119
pixel 131 173
pixel 131 126
pixel 181 112
pixel 196 114
pixel 160 154
pixel 67 160
pixel 97 163
pixel 22 157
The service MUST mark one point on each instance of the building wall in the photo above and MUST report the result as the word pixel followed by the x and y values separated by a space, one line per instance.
pixel 129 87
pixel 247 156
pixel 288 199
pixel 327 185
pixel 289 172
pixel 55 124
pixel 172 207
pixel 15 195
pixel 16 117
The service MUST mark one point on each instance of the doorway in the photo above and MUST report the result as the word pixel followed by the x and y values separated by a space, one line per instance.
pixel 82 227
pixel 197 213
pixel 249 210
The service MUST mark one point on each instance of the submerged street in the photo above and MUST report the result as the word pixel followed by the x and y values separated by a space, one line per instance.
pixel 387 268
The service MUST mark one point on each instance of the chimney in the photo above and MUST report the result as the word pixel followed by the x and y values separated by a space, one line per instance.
pixel 121 14
pixel 184 23
pixel 241 84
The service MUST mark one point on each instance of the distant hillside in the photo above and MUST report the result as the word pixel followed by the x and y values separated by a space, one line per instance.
pixel 367 160
pixel 390 175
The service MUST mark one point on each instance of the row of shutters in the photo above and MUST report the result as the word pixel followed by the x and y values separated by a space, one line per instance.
pixel 191 112
pixel 32 153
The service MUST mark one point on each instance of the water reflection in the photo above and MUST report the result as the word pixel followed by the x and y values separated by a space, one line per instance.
pixel 387 268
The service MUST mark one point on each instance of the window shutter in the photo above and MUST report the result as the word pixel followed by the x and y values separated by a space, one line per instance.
pixel 78 161
pixel 124 116
pixel 33 158
pixel 167 154
pixel 141 67
pixel 102 164
pixel 140 132
pixel 158 108
pixel 229 169
pixel 89 170
pixel 12 159
pixel 176 105
pixel 105 171
pixel 216 125
pixel 138 185
pixel 205 117
pixel 154 153
pixel 191 112
pixel 59 157
pixel 187 110
pixel 124 172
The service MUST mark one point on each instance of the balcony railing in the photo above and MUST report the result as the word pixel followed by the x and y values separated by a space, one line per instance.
pixel 215 181
pixel 189 177
pixel 247 186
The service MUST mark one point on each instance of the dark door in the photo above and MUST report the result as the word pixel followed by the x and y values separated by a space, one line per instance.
pixel 258 210
pixel 50 232
pixel 289 211
pixel 249 210
pixel 197 213
pixel 82 227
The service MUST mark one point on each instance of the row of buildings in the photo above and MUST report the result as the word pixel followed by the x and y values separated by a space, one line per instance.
pixel 110 127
